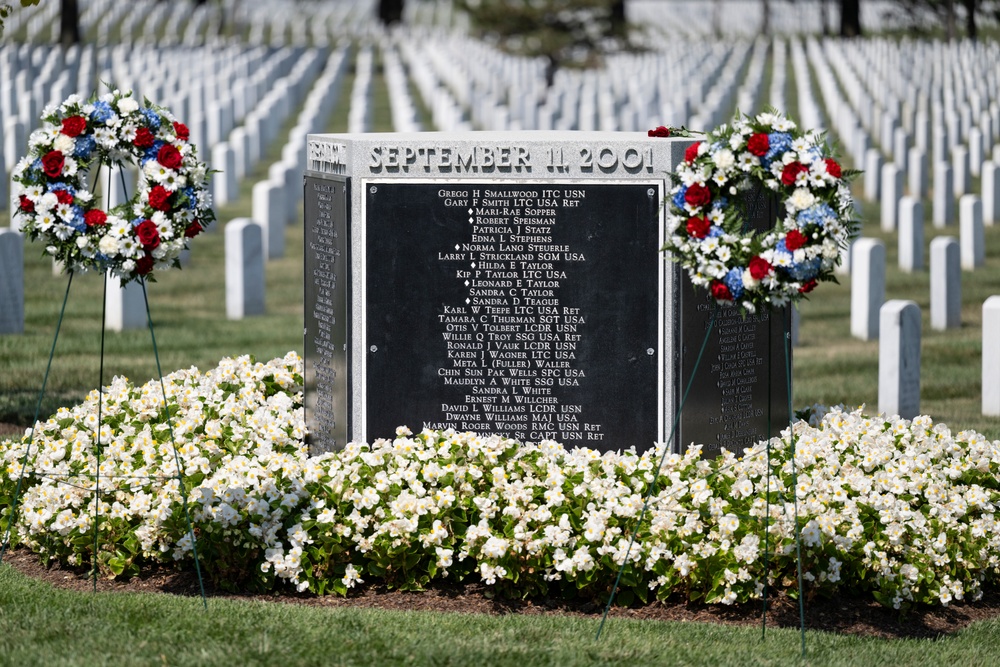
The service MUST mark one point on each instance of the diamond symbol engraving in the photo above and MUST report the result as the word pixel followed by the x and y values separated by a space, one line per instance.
pixel 468 301
pixel 466 283
pixel 457 246
pixel 473 265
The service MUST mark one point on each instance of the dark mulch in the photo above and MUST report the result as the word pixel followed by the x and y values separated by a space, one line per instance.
pixel 846 614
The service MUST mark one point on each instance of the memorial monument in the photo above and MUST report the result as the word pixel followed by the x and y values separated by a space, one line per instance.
pixel 512 283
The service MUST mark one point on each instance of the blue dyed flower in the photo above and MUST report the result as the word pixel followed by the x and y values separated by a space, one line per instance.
pixel 62 186
pixel 734 281
pixel 806 270
pixel 818 215
pixel 152 151
pixel 778 143
pixel 152 118
pixel 77 221
pixel 102 112
pixel 85 145
pixel 191 199
pixel 678 197
pixel 715 231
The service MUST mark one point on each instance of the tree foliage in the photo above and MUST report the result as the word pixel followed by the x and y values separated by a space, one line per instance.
pixel 564 32
pixel 6 9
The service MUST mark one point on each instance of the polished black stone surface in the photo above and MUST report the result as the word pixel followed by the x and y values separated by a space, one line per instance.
pixel 525 309
pixel 739 395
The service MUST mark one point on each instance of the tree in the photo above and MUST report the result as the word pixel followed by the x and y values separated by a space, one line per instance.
pixel 69 23
pixel 850 18
pixel 390 11
pixel 6 9
pixel 564 32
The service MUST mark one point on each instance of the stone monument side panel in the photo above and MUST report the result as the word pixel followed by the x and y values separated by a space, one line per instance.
pixel 326 294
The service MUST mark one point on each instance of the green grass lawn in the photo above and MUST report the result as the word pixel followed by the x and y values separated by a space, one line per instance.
pixel 40 625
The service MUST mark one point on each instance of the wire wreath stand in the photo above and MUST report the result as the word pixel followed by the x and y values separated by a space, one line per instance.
pixel 96 475
pixel 787 338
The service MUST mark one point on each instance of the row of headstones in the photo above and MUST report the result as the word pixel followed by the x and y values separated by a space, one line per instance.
pixel 896 323
pixel 274 200
pixel 210 113
pixel 899 358
pixel 274 23
pixel 401 104
pixel 745 17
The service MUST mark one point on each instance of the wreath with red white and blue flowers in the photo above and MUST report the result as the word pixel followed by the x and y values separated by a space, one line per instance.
pixel 709 237
pixel 54 193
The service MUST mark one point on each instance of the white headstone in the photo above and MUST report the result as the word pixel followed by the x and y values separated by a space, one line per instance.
pixel 991 356
pixel 900 150
pixel 944 198
pixel 15 143
pixel 844 268
pixel 899 359
pixel 11 282
pixel 946 284
pixel 911 234
pixel 892 190
pixel 962 179
pixel 224 187
pixel 867 287
pixel 917 172
pixel 991 193
pixel 269 211
pixel 125 307
pixel 971 233
pixel 975 151
pixel 244 240
pixel 873 169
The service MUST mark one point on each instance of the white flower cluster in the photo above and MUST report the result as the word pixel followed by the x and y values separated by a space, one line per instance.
pixel 903 509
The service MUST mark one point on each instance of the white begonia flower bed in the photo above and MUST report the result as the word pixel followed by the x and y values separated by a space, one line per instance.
pixel 903 509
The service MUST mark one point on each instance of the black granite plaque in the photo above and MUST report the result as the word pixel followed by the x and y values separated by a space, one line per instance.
pixel 740 391
pixel 326 311
pixel 529 310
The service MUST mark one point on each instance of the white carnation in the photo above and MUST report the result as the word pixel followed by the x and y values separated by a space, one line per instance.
pixel 127 105
pixel 109 245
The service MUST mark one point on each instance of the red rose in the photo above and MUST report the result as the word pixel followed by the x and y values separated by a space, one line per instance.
pixel 193 230
pixel 698 227
pixel 832 167
pixel 52 163
pixel 795 240
pixel 144 265
pixel 697 195
pixel 659 131
pixel 64 197
pixel 169 157
pixel 74 126
pixel 26 204
pixel 692 152
pixel 149 235
pixel 758 144
pixel 759 268
pixel 143 138
pixel 807 286
pixel 720 292
pixel 182 131
pixel 792 171
pixel 95 217
pixel 159 198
